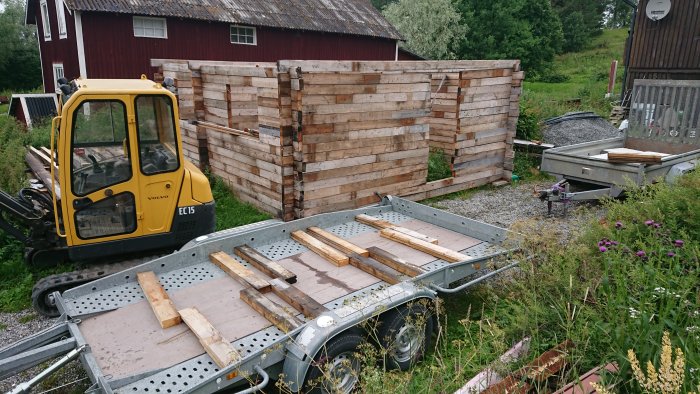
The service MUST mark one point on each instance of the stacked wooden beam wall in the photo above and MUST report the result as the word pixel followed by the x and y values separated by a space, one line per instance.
pixel 473 122
pixel 191 106
pixel 248 150
pixel 298 138
pixel 357 134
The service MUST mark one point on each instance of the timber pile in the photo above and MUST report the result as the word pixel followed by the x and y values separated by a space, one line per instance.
pixel 296 138
pixel 357 134
pixel 194 143
pixel 475 113
pixel 245 132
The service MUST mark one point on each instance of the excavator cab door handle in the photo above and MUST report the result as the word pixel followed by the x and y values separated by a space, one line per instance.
pixel 80 203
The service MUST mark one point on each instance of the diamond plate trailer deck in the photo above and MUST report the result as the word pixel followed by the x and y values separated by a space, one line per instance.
pixel 128 352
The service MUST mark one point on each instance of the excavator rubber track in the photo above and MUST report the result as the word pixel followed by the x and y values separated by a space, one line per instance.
pixel 42 293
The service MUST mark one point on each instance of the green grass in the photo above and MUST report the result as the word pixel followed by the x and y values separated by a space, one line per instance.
pixel 231 212
pixel 438 166
pixel 3 327
pixel 587 73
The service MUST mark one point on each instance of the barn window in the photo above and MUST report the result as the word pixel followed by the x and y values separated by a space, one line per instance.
pixel 150 27
pixel 243 35
pixel 61 17
pixel 57 73
pixel 45 20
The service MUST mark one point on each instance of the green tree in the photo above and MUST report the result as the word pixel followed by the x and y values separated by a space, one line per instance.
pixel 380 4
pixel 581 20
pixel 19 51
pixel 528 30
pixel 617 14
pixel 432 28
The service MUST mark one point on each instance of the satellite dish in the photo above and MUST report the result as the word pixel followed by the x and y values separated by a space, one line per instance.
pixel 658 9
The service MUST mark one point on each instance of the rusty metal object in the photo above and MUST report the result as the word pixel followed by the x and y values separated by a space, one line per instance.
pixel 528 378
pixel 583 384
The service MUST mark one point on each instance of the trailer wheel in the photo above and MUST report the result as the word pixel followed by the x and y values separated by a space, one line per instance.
pixel 336 367
pixel 405 333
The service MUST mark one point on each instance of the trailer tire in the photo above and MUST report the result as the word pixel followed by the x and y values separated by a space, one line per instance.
pixel 405 333
pixel 336 367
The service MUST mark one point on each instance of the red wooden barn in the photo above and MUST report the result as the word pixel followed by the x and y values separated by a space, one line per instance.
pixel 117 38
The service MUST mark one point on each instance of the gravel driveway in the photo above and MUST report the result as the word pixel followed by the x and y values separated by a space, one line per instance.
pixel 504 206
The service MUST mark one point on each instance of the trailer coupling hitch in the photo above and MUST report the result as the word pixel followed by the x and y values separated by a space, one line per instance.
pixel 26 387
pixel 559 192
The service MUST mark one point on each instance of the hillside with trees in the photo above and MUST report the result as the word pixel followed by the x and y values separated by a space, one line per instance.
pixel 533 31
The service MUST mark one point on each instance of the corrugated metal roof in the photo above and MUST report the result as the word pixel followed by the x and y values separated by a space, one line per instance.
pixel 36 106
pixel 41 107
pixel 356 17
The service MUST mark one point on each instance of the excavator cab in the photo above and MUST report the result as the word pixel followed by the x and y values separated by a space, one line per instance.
pixel 125 185
pixel 119 186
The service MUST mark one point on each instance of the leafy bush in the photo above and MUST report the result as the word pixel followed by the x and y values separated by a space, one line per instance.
pixel 528 127
pixel 549 76
pixel 438 166
pixel 13 138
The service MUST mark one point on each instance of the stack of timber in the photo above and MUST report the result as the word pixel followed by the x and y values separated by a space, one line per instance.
pixel 189 99
pixel 475 113
pixel 297 138
pixel 357 134
pixel 244 134
pixel 194 143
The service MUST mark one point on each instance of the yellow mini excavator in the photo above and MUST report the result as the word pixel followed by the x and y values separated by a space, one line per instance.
pixel 118 185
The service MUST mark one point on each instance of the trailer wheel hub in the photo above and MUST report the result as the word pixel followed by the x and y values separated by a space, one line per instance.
pixel 407 342
pixel 344 372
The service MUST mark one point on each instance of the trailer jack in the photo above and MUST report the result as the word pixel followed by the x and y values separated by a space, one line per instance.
pixel 564 192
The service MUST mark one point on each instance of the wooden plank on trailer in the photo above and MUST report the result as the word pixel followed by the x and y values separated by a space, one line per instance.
pixel 218 347
pixel 431 249
pixel 264 264
pixel 320 248
pixel 158 298
pixel 382 224
pixel 271 310
pixel 239 272
pixel 393 261
pixel 373 268
pixel 297 298
pixel 337 242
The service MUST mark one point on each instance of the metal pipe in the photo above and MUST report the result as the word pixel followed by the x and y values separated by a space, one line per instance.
pixel 473 282
pixel 259 386
pixel 628 52
pixel 27 386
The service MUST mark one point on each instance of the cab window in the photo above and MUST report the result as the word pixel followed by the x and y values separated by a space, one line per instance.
pixel 112 216
pixel 156 134
pixel 100 146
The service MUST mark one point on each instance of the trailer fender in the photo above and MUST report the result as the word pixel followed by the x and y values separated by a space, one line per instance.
pixel 302 350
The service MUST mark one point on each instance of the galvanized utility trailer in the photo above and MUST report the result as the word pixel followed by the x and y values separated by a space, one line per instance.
pixel 664 118
pixel 239 282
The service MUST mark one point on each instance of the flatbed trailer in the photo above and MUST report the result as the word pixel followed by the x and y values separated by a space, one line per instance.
pixel 664 119
pixel 110 325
